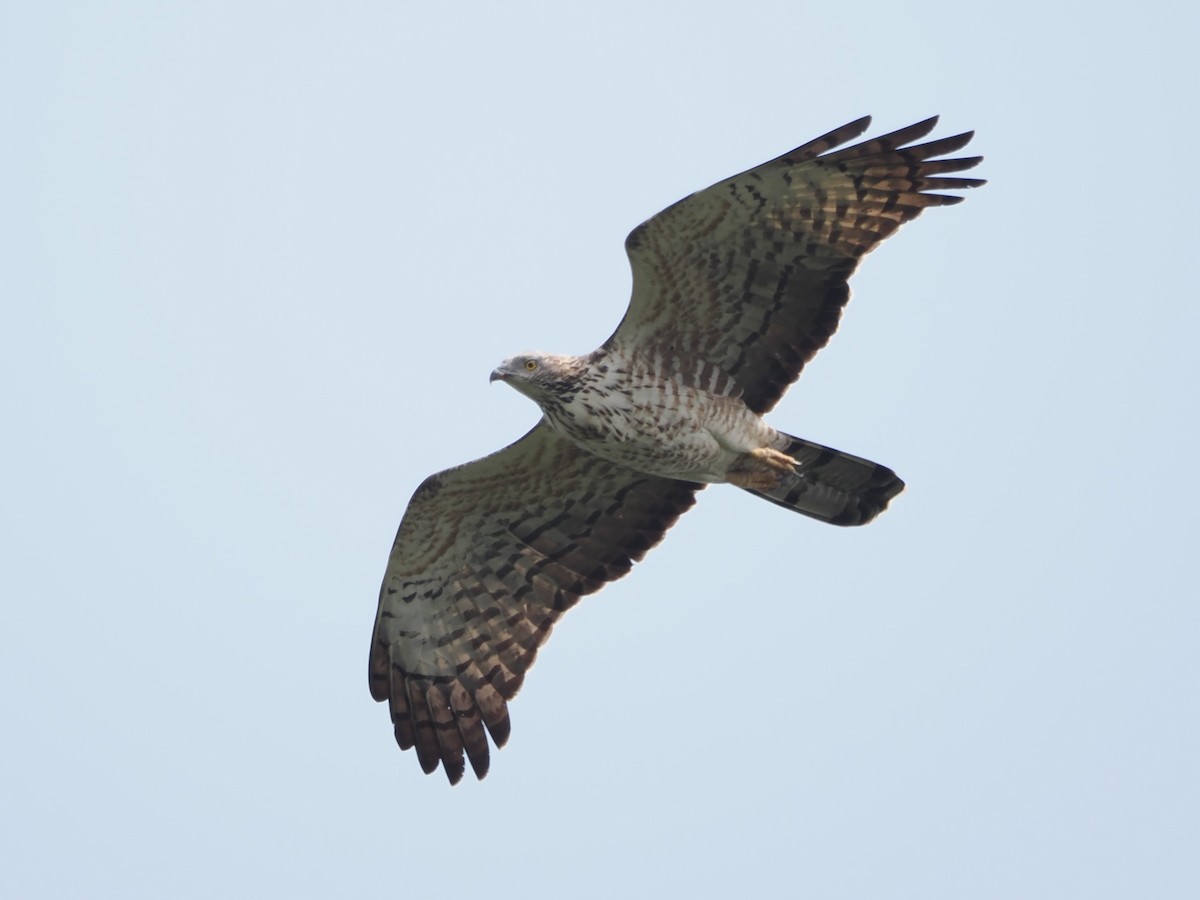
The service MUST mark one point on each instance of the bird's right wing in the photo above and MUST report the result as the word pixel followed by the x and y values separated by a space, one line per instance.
pixel 487 557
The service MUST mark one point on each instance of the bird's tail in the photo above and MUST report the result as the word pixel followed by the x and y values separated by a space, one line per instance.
pixel 833 486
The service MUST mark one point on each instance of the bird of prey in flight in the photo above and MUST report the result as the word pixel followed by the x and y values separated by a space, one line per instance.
pixel 735 288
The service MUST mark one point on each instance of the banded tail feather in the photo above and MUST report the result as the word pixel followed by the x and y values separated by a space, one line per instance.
pixel 833 486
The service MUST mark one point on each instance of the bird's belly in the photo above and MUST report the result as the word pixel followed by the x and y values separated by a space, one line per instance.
pixel 696 442
pixel 696 457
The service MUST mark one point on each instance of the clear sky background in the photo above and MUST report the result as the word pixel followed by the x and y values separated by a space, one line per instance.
pixel 257 261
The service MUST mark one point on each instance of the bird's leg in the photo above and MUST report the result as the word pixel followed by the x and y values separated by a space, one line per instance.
pixel 774 459
pixel 762 469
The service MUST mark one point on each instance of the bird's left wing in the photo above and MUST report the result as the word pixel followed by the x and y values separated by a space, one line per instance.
pixel 750 274
pixel 488 556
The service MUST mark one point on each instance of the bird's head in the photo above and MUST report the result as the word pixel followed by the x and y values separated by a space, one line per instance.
pixel 540 376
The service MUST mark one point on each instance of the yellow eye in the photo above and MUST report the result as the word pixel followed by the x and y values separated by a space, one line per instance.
pixel 530 365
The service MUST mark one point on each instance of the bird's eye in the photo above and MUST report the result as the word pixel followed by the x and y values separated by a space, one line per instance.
pixel 530 365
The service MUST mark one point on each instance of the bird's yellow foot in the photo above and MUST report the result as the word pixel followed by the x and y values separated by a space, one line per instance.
pixel 774 459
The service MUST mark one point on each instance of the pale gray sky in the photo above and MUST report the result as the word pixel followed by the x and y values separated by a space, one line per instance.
pixel 258 260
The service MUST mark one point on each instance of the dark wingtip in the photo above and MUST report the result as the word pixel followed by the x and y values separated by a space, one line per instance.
pixel 902 137
pixel 499 730
pixel 858 126
pixel 925 125
pixel 479 758
pixel 942 146
pixel 844 133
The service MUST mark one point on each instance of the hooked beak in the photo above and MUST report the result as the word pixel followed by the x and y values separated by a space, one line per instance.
pixel 498 374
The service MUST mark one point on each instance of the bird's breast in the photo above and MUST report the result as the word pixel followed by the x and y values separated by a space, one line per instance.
pixel 660 429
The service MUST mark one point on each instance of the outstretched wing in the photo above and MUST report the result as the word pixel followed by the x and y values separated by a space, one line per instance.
pixel 750 274
pixel 488 556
